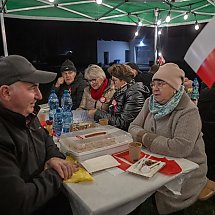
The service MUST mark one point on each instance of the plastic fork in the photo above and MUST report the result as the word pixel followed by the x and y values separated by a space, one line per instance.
pixel 140 163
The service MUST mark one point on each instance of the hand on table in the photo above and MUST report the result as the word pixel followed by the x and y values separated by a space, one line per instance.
pixel 64 168
pixel 91 113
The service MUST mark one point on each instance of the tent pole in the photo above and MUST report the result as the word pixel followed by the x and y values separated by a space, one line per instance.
pixel 3 30
pixel 156 35
pixel 121 3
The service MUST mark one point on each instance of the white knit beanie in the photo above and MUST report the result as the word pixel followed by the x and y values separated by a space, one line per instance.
pixel 171 74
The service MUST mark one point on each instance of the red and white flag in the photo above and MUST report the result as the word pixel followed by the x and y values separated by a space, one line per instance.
pixel 201 54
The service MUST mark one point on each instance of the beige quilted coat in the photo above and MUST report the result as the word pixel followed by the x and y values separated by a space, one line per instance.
pixel 178 135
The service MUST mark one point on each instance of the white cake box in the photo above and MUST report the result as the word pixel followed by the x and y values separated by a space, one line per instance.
pixel 93 142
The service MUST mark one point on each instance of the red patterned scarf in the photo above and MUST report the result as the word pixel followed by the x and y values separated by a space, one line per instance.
pixel 96 94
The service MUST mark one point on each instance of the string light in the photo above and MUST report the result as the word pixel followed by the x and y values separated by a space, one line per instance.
pixel 157 15
pixel 136 33
pixel 159 22
pixel 196 23
pixel 98 1
pixel 139 23
pixel 168 18
pixel 196 26
pixel 186 16
pixel 159 32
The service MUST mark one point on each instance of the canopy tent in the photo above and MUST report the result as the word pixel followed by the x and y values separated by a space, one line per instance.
pixel 126 12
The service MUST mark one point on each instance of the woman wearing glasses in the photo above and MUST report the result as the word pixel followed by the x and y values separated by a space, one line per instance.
pixel 169 124
pixel 100 91
pixel 126 102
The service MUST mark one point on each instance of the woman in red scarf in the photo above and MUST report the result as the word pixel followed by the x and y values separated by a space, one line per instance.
pixel 127 101
pixel 100 91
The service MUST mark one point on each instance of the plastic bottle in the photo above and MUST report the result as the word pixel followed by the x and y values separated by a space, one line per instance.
pixel 62 98
pixel 53 103
pixel 66 101
pixel 66 104
pixel 58 123
pixel 195 90
pixel 67 121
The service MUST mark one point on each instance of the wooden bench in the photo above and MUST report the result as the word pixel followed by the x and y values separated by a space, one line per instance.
pixel 208 191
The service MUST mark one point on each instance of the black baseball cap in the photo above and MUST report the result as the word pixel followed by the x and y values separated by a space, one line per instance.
pixel 15 68
pixel 68 65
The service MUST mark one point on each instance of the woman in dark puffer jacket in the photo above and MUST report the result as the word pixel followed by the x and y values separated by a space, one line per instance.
pixel 127 101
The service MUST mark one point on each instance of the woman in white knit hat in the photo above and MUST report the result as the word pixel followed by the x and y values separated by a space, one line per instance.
pixel 169 124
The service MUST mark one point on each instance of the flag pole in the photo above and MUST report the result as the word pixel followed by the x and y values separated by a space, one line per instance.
pixel 156 35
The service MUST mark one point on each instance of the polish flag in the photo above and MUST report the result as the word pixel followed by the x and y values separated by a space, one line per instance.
pixel 201 54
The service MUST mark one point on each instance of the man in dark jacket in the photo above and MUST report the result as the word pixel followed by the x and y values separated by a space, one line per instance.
pixel 71 80
pixel 31 167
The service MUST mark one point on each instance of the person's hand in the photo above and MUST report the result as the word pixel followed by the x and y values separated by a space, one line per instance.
pixel 60 81
pixel 187 84
pixel 91 113
pixel 64 168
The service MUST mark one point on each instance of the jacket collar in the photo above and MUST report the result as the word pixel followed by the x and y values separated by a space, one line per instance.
pixel 18 119
pixel 185 99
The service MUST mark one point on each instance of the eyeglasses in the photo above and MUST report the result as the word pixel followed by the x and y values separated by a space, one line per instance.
pixel 157 84
pixel 92 80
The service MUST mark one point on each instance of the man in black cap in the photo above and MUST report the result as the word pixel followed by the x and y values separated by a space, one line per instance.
pixel 31 167
pixel 71 80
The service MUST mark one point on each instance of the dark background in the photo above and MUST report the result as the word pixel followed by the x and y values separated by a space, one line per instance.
pixel 46 43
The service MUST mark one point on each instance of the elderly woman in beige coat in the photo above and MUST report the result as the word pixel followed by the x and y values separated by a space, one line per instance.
pixel 100 91
pixel 169 124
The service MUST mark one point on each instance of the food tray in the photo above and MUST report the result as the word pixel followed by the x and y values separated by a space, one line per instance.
pixel 82 125
pixel 84 144
pixel 146 167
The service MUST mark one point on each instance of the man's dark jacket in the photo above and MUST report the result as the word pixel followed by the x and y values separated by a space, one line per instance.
pixel 24 148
